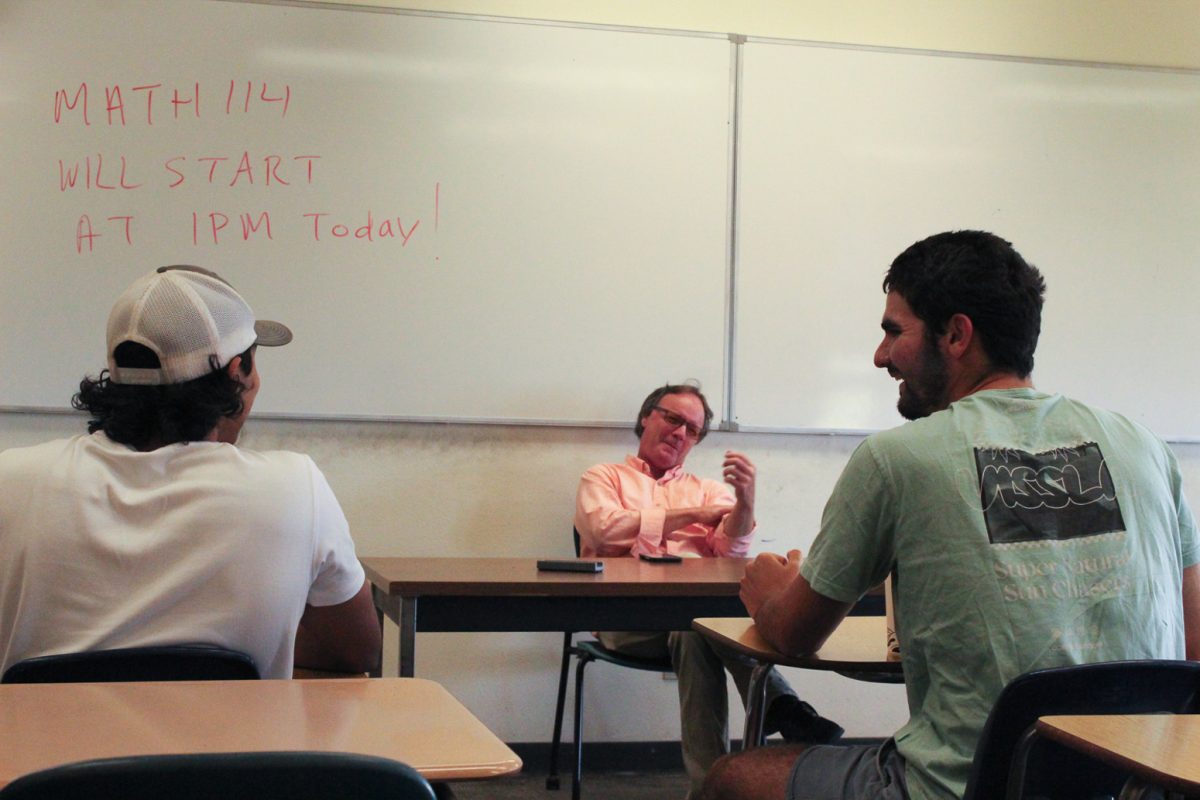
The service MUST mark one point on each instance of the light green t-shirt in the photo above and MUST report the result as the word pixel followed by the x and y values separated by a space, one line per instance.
pixel 1027 531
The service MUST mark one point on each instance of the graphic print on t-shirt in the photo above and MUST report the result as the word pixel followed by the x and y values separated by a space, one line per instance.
pixel 1064 493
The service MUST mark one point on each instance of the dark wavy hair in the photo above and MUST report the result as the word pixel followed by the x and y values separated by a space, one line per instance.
pixel 147 416
pixel 673 388
pixel 980 275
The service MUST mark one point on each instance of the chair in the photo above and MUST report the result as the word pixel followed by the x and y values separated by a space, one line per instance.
pixel 585 653
pixel 189 662
pixel 203 776
pixel 1115 687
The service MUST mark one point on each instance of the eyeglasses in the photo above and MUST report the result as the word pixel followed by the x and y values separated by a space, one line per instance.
pixel 674 420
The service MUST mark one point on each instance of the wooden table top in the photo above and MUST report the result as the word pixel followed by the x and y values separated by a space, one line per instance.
pixel 407 719
pixel 857 645
pixel 1164 749
pixel 630 577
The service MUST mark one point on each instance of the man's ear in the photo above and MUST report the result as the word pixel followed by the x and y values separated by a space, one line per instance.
pixel 234 369
pixel 960 332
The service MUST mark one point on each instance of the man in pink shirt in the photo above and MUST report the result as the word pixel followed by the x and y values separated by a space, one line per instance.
pixel 648 504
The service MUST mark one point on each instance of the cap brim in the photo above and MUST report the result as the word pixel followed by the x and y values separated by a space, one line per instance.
pixel 271 334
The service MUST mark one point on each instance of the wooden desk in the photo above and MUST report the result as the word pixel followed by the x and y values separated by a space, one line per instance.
pixel 414 721
pixel 857 649
pixel 510 594
pixel 1159 749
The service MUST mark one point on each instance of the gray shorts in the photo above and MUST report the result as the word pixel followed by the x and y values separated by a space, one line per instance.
pixel 858 772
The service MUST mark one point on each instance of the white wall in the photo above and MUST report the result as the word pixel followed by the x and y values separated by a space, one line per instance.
pixel 459 490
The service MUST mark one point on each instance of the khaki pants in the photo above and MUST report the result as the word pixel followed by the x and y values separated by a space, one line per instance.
pixel 703 701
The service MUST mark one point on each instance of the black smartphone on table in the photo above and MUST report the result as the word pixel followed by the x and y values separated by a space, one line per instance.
pixel 661 558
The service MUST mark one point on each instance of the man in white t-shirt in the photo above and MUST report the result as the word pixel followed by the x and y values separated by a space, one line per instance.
pixel 155 528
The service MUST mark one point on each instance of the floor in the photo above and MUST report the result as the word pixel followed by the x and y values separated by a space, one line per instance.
pixel 650 785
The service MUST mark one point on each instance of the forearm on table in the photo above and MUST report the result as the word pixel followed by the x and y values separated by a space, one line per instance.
pixel 632 532
pixel 610 530
pixel 676 518
pixel 798 620
pixel 344 637
pixel 620 532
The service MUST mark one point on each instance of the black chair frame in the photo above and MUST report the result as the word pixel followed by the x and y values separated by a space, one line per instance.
pixel 585 652
pixel 190 662
pixel 202 776
pixel 1050 769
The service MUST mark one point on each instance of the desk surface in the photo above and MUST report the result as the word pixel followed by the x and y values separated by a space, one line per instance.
pixel 410 720
pixel 858 645
pixel 520 576
pixel 1164 749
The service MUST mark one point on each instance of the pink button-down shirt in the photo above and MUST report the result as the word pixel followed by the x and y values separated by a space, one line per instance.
pixel 620 510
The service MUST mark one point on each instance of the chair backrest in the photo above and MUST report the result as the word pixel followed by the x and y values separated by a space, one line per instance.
pixel 192 662
pixel 1115 687
pixel 202 776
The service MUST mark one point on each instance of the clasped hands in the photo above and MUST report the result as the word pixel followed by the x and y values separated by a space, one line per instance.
pixel 766 577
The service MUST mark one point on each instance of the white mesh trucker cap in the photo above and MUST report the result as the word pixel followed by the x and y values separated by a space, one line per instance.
pixel 184 315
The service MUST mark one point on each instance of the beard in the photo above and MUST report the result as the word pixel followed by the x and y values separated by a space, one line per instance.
pixel 924 389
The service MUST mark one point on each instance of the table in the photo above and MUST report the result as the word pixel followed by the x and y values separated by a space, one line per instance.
pixel 510 594
pixel 414 721
pixel 1159 749
pixel 857 648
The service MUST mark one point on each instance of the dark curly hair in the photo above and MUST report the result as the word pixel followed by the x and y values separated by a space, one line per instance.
pixel 673 388
pixel 980 275
pixel 148 416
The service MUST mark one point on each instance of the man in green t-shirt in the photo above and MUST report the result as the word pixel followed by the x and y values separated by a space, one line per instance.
pixel 1023 530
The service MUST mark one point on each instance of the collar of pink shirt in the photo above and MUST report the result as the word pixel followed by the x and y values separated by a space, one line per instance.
pixel 644 468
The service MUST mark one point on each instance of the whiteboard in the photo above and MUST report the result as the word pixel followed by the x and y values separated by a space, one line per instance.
pixel 847 156
pixel 459 218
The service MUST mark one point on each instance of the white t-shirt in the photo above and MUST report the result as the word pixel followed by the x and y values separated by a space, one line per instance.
pixel 103 547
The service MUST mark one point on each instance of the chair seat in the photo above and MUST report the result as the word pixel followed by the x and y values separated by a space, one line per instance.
pixel 595 650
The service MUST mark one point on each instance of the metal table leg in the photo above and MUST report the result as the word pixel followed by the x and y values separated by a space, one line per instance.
pixel 756 701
